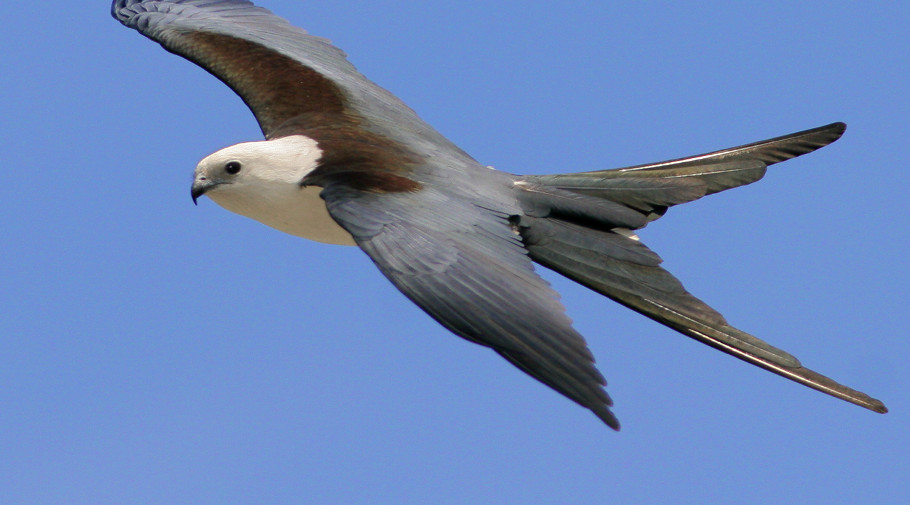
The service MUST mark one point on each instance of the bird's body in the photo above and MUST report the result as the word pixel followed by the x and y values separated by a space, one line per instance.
pixel 345 162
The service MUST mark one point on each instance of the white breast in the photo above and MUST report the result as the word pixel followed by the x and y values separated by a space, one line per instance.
pixel 295 210
pixel 268 188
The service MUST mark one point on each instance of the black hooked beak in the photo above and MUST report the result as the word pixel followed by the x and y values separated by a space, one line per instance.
pixel 196 191
pixel 200 186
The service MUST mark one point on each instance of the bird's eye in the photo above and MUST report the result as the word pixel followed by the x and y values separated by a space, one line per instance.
pixel 232 167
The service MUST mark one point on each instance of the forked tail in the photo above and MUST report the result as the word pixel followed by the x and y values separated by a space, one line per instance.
pixel 580 225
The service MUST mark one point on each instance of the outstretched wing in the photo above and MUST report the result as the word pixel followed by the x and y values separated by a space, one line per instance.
pixel 298 84
pixel 466 267
pixel 292 81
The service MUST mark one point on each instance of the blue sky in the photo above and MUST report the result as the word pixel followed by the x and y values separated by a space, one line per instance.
pixel 156 352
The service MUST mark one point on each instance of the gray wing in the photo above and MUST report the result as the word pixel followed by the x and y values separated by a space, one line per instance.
pixel 465 265
pixel 298 84
pixel 292 81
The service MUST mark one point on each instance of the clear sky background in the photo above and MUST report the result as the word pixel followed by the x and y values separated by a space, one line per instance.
pixel 158 353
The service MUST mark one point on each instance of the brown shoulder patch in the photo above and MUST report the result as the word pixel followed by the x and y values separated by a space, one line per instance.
pixel 368 181
pixel 275 87
pixel 289 98
pixel 355 156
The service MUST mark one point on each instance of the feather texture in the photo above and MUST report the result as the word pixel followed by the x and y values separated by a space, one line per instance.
pixel 457 238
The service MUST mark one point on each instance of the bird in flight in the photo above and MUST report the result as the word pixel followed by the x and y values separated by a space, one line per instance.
pixel 346 162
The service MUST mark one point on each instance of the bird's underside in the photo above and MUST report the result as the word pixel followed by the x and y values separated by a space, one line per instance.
pixel 457 238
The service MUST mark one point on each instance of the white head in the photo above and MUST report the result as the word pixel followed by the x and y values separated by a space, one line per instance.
pixel 261 180
pixel 233 169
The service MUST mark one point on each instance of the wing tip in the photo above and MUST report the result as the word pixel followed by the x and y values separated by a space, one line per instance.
pixel 116 5
pixel 862 400
pixel 603 413
pixel 835 130
pixel 877 406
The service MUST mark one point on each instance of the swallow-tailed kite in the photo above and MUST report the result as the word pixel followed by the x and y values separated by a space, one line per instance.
pixel 346 162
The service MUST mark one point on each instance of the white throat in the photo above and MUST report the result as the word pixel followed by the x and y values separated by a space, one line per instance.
pixel 267 188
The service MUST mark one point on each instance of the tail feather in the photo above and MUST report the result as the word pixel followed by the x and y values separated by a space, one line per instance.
pixel 640 285
pixel 655 293
pixel 716 171
pixel 585 238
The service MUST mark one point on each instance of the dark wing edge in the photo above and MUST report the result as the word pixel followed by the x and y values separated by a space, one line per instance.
pixel 466 267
